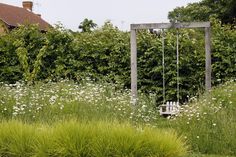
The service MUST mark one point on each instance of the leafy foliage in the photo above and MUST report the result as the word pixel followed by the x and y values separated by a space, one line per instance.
pixel 10 70
pixel 224 55
pixel 60 55
pixel 87 25
pixel 104 54
pixel 225 10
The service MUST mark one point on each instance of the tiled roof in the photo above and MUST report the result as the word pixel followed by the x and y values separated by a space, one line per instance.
pixel 14 16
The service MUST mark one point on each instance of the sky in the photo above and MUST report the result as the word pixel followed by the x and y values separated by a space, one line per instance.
pixel 121 13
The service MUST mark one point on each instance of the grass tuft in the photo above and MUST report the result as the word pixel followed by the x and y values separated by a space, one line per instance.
pixel 91 139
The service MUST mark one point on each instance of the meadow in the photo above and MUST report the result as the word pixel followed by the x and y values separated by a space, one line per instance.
pixel 209 123
pixel 97 119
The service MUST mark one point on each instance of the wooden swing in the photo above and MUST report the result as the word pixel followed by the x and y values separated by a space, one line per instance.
pixel 169 108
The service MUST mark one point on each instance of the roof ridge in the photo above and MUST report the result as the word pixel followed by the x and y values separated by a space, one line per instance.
pixel 13 16
pixel 13 6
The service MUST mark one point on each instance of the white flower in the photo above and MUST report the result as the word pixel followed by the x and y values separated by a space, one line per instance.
pixel 61 107
pixel 52 99
pixel 14 113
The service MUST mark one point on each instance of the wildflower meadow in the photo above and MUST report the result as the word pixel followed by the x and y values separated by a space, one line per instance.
pixel 206 125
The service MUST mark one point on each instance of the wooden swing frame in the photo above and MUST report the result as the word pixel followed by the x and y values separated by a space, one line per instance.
pixel 133 43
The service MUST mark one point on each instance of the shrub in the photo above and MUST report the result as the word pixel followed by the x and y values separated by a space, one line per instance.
pixel 98 139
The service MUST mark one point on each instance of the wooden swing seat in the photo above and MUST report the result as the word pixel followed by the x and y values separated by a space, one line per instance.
pixel 170 108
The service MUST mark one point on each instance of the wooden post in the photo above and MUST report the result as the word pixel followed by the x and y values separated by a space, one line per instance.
pixel 134 93
pixel 208 59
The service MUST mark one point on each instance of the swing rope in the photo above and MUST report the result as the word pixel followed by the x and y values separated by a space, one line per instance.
pixel 163 65
pixel 177 64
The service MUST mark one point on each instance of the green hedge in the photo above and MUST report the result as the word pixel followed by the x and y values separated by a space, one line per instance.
pixel 93 139
pixel 104 54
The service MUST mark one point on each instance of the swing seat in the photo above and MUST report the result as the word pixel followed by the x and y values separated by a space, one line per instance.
pixel 170 108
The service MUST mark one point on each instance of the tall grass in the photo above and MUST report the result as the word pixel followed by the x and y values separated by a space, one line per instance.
pixel 209 124
pixel 91 139
pixel 16 139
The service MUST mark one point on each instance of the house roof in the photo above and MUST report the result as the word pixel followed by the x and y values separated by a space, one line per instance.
pixel 15 16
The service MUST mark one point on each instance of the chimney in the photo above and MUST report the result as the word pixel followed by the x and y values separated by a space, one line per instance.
pixel 27 5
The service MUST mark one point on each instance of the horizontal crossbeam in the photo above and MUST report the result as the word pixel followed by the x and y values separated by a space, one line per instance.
pixel 170 25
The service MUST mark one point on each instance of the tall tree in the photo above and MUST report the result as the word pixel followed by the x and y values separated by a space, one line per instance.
pixel 87 25
pixel 225 10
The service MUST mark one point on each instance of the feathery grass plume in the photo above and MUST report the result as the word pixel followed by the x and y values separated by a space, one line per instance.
pixel 17 139
pixel 91 139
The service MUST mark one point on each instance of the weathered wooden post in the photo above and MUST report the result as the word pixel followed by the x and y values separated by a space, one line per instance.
pixel 134 93
pixel 208 58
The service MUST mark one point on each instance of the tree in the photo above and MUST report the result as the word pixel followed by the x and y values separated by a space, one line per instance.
pixel 87 25
pixel 225 10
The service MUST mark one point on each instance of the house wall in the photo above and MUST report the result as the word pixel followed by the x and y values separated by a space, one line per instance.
pixel 3 28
